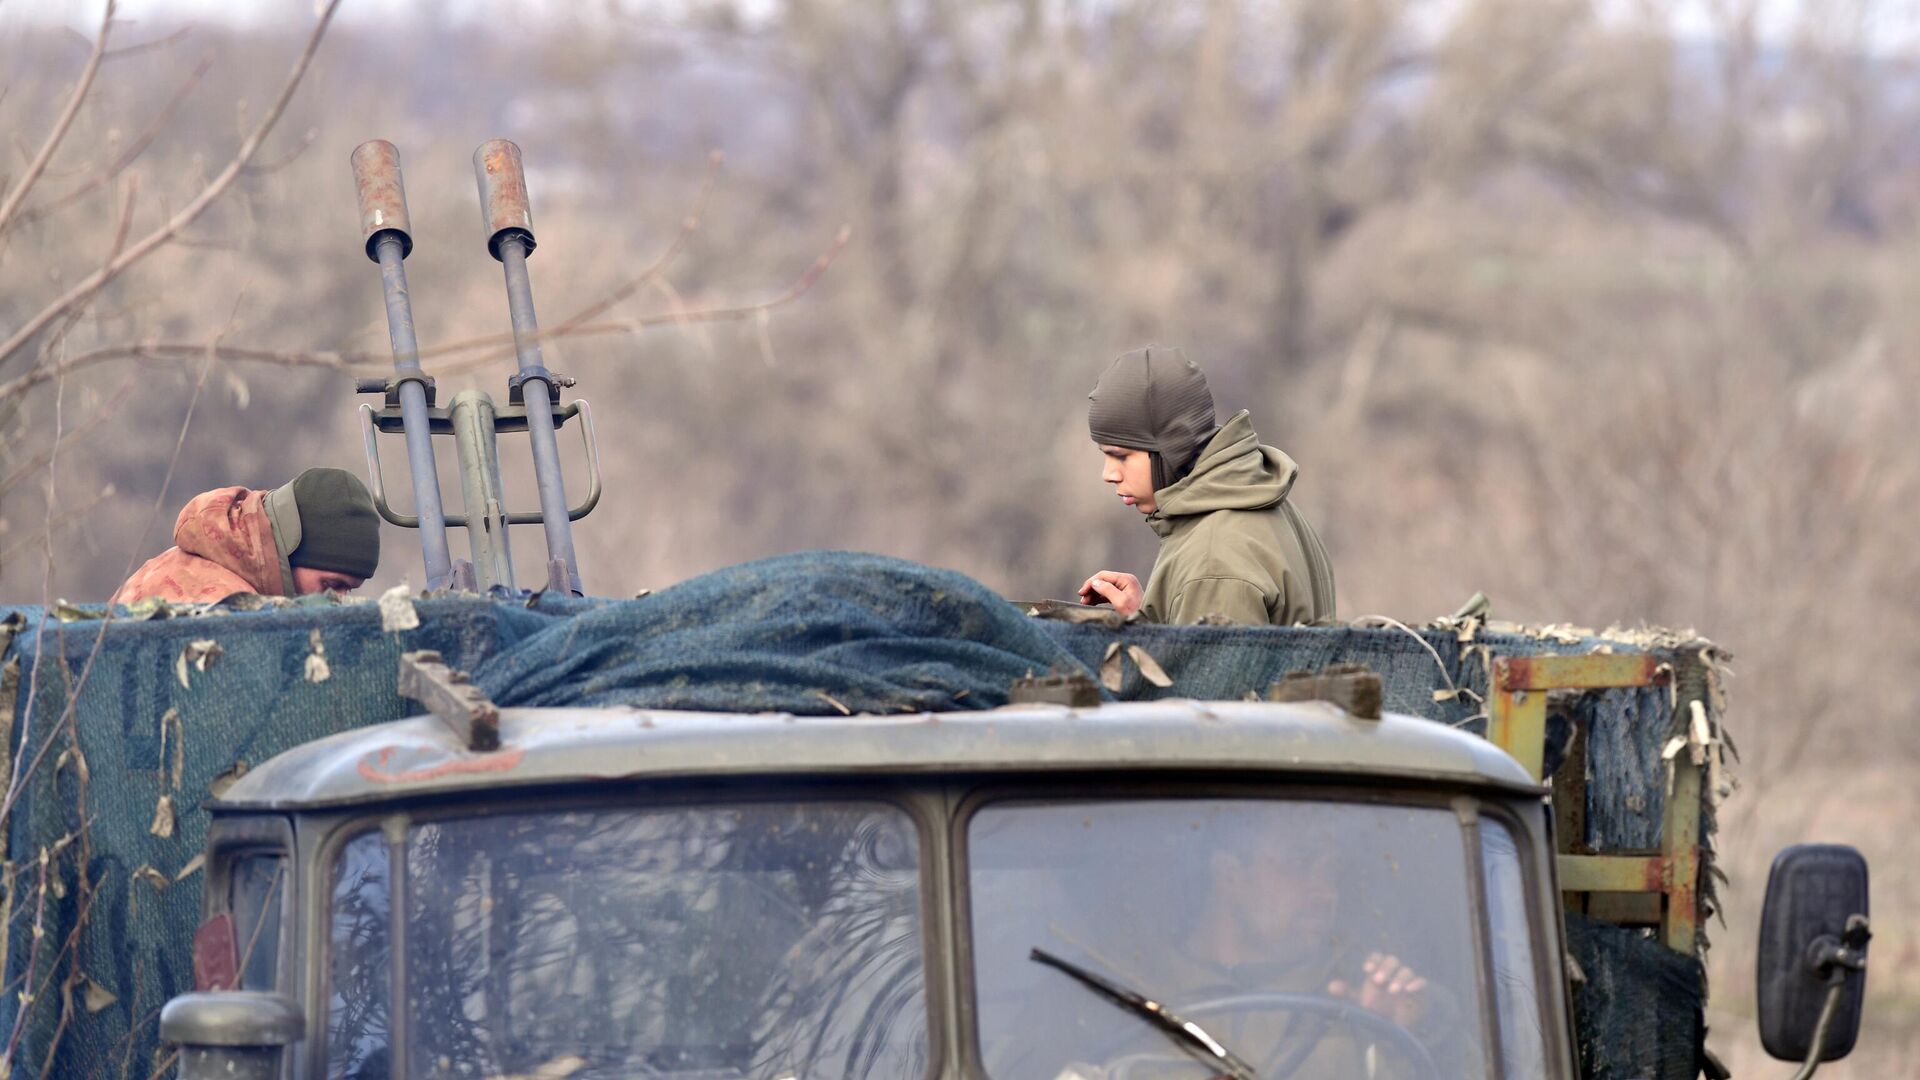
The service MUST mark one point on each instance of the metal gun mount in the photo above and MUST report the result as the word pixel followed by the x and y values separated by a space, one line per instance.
pixel 472 419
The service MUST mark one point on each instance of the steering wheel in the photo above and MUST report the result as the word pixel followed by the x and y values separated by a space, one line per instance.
pixel 1292 1053
pixel 1287 1059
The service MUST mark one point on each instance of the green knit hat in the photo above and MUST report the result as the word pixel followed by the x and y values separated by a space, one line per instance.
pixel 338 528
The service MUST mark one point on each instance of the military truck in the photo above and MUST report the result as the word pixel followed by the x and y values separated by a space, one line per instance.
pixel 1129 889
pixel 1073 882
pixel 834 815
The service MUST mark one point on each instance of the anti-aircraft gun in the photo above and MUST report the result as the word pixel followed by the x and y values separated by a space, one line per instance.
pixel 834 815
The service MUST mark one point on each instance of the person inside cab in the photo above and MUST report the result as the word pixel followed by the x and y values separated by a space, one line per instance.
pixel 318 533
pixel 1306 940
pixel 1231 543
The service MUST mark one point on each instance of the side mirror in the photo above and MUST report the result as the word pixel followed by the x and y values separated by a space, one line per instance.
pixel 1813 941
pixel 231 1034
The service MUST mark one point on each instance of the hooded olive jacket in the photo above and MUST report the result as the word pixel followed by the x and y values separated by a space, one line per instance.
pixel 1230 543
pixel 225 542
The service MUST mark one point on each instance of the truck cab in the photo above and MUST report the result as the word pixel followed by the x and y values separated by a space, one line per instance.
pixel 1127 890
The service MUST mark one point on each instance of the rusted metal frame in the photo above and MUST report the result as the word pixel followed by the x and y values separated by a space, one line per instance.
pixel 1680 830
pixel 1671 875
pixel 1624 909
pixel 1517 714
pixel 1570 793
pixel 1680 836
pixel 1516 722
pixel 1570 815
pixel 1612 873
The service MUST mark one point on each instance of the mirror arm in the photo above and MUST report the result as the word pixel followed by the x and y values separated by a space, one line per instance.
pixel 1836 985
pixel 1833 959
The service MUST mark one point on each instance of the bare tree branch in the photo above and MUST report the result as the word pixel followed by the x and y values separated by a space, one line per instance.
pixel 92 284
pixel 174 351
pixel 286 159
pixel 21 777
pixel 56 524
pixel 45 458
pixel 125 226
pixel 133 151
pixel 799 288
pixel 156 44
pixel 805 281
pixel 33 957
pixel 688 227
pixel 361 362
pixel 60 127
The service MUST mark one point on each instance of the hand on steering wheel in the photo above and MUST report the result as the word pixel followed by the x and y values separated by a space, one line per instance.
pixel 1287 1058
pixel 1387 987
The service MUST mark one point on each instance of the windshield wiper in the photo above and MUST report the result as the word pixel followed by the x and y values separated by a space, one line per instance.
pixel 1190 1036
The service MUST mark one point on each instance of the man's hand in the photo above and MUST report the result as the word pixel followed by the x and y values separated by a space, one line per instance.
pixel 1121 590
pixel 1387 987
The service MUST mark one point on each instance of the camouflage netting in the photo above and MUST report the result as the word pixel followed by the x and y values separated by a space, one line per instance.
pixel 122 728
pixel 1626 982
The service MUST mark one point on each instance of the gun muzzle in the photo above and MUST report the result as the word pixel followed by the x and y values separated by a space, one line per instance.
pixel 503 194
pixel 383 201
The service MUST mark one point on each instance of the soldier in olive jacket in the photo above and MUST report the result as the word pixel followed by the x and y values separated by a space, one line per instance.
pixel 1231 544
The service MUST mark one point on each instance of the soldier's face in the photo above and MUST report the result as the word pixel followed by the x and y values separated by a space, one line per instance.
pixel 1286 892
pixel 307 580
pixel 1131 474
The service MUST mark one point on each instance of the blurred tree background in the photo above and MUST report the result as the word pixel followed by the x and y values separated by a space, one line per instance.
pixel 1604 308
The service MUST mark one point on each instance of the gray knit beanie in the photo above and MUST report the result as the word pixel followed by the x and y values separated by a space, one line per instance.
pixel 1154 399
pixel 339 530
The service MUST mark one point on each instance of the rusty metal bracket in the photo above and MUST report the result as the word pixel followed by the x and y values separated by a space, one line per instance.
pixel 373 421
pixel 1517 723
pixel 391 388
pixel 451 696
pixel 517 383
pixel 1517 714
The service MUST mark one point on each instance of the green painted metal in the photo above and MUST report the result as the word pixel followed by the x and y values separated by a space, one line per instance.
pixel 1588 671
pixel 1611 873
pixel 1680 831
pixel 474 418
pixel 1517 723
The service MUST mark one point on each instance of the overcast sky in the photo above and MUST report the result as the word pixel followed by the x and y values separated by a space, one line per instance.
pixel 1777 15
pixel 85 14
pixel 1896 29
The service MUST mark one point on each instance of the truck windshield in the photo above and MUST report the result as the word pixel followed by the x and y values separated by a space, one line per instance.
pixel 1311 939
pixel 758 940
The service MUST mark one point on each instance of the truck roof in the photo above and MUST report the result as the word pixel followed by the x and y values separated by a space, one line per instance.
pixel 557 746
